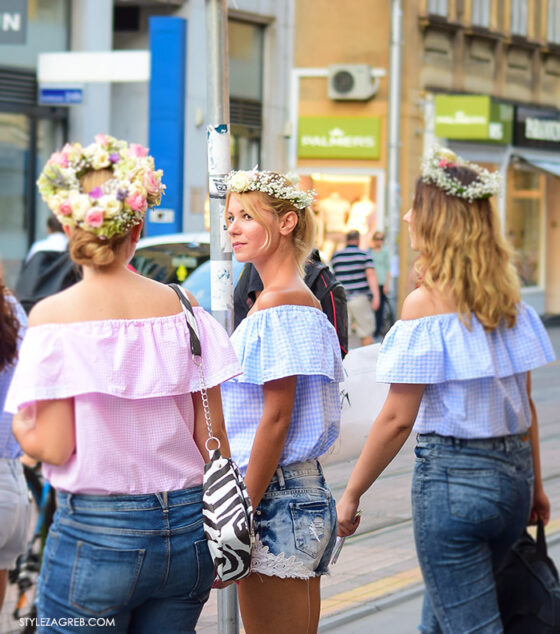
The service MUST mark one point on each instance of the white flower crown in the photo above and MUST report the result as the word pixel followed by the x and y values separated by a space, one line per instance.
pixel 271 183
pixel 435 169
pixel 115 206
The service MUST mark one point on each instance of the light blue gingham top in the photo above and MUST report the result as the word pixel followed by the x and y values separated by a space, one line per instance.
pixel 274 343
pixel 476 381
pixel 9 447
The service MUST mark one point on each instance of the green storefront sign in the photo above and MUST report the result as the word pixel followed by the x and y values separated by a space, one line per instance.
pixel 473 118
pixel 339 137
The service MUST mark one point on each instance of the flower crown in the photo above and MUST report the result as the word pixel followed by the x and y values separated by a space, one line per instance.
pixel 434 170
pixel 115 206
pixel 270 183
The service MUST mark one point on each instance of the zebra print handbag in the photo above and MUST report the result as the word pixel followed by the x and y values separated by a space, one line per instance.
pixel 227 512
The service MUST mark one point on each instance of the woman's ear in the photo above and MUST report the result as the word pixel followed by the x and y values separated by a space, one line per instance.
pixel 137 231
pixel 66 230
pixel 288 223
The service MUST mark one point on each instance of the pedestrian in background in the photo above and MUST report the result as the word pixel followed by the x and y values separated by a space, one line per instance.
pixel 382 261
pixel 108 398
pixel 458 363
pixel 283 412
pixel 56 239
pixel 14 500
pixel 355 270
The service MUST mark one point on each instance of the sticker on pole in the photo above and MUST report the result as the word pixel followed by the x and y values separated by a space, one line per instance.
pixel 221 285
pixel 218 150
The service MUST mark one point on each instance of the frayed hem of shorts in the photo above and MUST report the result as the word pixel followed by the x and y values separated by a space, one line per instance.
pixel 266 563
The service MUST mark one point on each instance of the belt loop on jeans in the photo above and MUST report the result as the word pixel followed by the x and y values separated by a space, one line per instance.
pixel 280 476
pixel 69 503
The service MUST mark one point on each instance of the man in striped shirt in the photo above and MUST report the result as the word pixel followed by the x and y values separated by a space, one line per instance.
pixel 355 270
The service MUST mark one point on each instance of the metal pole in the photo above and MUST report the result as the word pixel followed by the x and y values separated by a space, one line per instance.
pixel 219 164
pixel 393 197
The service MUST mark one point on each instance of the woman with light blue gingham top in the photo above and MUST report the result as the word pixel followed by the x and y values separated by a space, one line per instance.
pixel 458 364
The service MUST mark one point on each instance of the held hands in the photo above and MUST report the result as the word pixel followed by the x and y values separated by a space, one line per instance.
pixel 348 517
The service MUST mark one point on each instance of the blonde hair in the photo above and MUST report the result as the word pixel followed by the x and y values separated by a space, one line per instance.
pixel 87 248
pixel 462 250
pixel 303 235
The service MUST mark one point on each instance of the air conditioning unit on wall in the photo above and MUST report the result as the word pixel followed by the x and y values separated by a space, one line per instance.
pixel 351 82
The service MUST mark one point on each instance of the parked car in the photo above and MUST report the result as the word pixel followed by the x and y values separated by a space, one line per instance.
pixel 173 257
pixel 198 282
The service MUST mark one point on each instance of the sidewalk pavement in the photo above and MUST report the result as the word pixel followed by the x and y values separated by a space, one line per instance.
pixel 377 568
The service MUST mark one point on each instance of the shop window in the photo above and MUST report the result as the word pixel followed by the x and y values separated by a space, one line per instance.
pixel 519 17
pixel 553 22
pixel 526 192
pixel 480 15
pixel 438 7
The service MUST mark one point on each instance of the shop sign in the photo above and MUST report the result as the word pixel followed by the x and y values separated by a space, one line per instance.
pixel 473 118
pixel 60 95
pixel 13 21
pixel 537 127
pixel 339 137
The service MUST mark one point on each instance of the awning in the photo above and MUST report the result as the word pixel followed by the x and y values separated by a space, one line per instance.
pixel 550 166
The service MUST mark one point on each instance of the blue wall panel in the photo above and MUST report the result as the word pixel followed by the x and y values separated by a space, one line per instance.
pixel 168 40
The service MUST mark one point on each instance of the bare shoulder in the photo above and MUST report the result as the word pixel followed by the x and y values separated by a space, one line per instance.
pixel 288 296
pixel 424 302
pixel 53 309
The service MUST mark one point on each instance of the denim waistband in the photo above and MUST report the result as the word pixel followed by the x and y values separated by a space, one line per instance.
pixel 512 442
pixel 128 502
pixel 296 470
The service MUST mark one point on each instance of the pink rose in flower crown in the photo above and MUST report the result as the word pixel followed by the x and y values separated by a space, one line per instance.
pixel 59 158
pixel 94 217
pixel 101 139
pixel 65 208
pixel 135 149
pixel 150 183
pixel 137 202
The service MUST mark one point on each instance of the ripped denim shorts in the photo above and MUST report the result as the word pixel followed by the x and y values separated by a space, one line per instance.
pixel 295 524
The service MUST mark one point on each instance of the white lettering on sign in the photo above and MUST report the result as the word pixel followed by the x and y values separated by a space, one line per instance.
pixel 10 21
pixel 461 118
pixel 338 138
pixel 542 129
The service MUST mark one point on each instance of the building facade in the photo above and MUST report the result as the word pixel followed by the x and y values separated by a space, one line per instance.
pixel 481 76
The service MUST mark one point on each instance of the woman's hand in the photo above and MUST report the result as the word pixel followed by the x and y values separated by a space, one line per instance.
pixel 540 508
pixel 348 518
pixel 220 585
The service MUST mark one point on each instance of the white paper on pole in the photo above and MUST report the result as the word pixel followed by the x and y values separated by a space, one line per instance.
pixel 225 242
pixel 218 150
pixel 221 285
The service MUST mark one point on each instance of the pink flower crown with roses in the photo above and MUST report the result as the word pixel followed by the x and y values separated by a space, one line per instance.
pixel 435 170
pixel 118 204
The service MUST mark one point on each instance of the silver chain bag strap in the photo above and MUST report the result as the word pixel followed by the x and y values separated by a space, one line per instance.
pixel 227 512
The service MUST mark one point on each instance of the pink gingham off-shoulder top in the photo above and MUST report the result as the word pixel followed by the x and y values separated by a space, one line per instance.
pixel 131 380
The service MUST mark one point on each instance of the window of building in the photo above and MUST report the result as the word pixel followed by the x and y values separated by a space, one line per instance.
pixel 553 22
pixel 438 7
pixel 480 15
pixel 525 200
pixel 519 17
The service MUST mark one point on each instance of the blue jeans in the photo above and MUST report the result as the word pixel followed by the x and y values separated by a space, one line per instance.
pixel 470 502
pixel 125 563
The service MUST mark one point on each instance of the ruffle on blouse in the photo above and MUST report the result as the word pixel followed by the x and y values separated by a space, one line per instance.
pixel 285 341
pixel 439 348
pixel 132 359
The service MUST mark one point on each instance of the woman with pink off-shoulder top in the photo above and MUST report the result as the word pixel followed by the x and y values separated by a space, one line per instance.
pixel 107 396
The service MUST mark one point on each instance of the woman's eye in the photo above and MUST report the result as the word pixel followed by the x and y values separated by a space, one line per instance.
pixel 247 217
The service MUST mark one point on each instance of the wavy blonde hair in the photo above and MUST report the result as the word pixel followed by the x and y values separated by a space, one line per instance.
pixel 463 250
pixel 303 235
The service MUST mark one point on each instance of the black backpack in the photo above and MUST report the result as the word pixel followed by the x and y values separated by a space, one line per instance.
pixel 46 273
pixel 318 277
pixel 528 588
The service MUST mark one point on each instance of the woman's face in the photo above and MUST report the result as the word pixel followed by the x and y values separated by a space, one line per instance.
pixel 409 219
pixel 248 236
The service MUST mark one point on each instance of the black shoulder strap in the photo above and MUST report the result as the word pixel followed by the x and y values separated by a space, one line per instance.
pixel 196 348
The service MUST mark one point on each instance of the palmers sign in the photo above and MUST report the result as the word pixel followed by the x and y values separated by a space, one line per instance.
pixel 339 137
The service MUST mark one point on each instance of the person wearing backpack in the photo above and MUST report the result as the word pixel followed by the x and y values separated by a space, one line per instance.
pixel 320 280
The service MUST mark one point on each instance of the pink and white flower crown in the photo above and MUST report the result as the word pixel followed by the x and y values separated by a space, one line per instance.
pixel 271 183
pixel 116 206
pixel 434 170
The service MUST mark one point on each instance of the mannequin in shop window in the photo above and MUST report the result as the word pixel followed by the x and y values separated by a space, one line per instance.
pixel 362 219
pixel 334 210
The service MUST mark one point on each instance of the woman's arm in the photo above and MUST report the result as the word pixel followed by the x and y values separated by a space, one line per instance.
pixel 45 431
pixel 271 435
pixel 217 418
pixel 388 434
pixel 541 504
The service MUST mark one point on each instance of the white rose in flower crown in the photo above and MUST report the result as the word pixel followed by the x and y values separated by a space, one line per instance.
pixel 56 200
pixel 100 159
pixel 110 205
pixel 240 181
pixel 80 204
pixel 136 188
